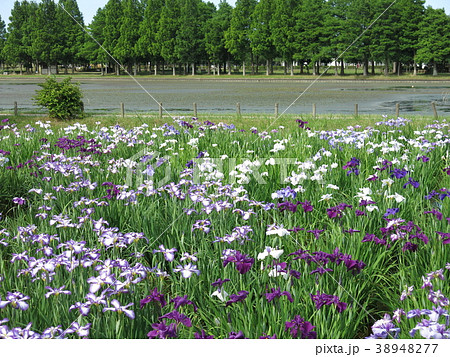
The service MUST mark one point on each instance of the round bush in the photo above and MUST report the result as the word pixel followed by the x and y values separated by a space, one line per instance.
pixel 62 99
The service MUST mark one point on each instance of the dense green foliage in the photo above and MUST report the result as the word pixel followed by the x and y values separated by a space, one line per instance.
pixel 62 99
pixel 137 34
pixel 111 227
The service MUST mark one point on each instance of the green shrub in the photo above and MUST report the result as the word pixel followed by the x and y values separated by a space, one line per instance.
pixel 62 99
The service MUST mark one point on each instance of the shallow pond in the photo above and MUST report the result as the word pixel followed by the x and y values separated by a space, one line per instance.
pixel 254 96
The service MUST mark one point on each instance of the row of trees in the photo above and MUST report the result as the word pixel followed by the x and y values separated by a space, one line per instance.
pixel 186 33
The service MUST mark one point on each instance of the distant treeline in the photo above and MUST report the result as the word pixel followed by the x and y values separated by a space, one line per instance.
pixel 182 34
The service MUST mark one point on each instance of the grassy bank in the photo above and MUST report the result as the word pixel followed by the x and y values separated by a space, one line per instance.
pixel 245 121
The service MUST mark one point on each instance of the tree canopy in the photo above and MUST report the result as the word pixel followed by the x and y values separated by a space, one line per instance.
pixel 184 34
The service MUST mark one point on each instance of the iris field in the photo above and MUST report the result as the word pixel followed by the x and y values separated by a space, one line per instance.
pixel 197 229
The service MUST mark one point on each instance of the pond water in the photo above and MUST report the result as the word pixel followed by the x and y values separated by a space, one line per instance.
pixel 104 95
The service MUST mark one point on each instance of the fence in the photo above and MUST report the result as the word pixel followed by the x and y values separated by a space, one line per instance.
pixel 238 109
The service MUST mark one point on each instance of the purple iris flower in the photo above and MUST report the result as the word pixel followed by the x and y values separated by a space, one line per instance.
pixel 321 270
pixel 203 336
pixel 56 291
pixel 168 253
pixel 82 331
pixel 19 200
pixel 391 212
pixel 236 335
pixel 289 206
pixel 242 261
pixel 83 309
pixel 325 299
pixel 352 163
pixel 155 295
pixel 175 315
pixel 307 207
pixel 219 282
pixel 398 173
pixel 276 293
pixel 299 327
pixel 181 301
pixel 411 182
pixel 301 123
pixel 17 301
pixel 316 232
pixel 163 331
pixel 436 213
pixel 240 296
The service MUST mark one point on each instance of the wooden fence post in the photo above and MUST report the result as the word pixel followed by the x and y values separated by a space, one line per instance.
pixel 122 109
pixel 160 110
pixel 195 109
pixel 356 110
pixel 397 110
pixel 238 109
pixel 276 110
pixel 433 106
pixel 314 111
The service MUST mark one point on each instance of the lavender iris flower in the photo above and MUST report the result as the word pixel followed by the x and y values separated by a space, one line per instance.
pixel 120 309
pixel 17 301
pixel 187 270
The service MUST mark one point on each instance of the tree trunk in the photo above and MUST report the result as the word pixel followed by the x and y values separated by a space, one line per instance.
pixel 252 64
pixel 315 66
pixel 386 66
pixel 208 71
pixel 135 69
pixel 117 70
pixel 435 70
pixel 21 69
pixel 399 68
pixel 285 67
pixel 229 68
pixel 243 68
pixel 101 69
pixel 342 68
pixel 267 67
pixel 173 70
pixel 373 67
pixel 292 68
pixel 366 67
pixel 193 69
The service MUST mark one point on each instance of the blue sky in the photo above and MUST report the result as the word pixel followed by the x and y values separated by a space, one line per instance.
pixel 89 7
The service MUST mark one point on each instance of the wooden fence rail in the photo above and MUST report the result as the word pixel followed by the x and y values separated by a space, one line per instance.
pixel 238 109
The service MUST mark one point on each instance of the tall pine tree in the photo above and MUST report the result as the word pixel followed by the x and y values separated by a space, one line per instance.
pixel 167 32
pixel 214 31
pixel 146 46
pixel 261 41
pixel 237 37
pixel 125 50
pixel 111 30
pixel 434 38
pixel 72 34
